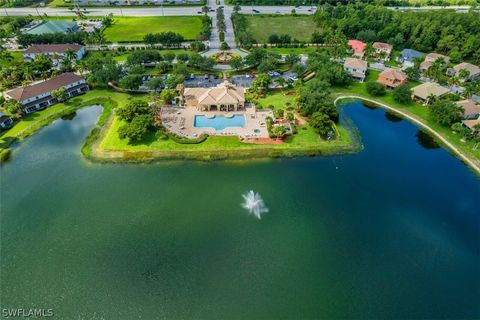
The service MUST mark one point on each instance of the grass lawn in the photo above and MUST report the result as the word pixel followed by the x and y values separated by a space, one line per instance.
pixel 413 109
pixel 306 138
pixel 277 99
pixel 306 50
pixel 126 29
pixel 16 56
pixel 299 27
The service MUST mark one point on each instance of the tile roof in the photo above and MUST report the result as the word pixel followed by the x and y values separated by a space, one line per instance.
pixel 356 45
pixel 225 93
pixel 22 93
pixel 47 48
pixel 393 74
pixel 382 46
pixel 473 69
pixel 355 63
pixel 426 89
pixel 469 107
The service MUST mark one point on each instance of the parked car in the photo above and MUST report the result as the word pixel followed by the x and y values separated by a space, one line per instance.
pixel 206 77
pixel 192 76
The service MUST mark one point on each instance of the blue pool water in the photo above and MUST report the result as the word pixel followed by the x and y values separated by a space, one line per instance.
pixel 219 122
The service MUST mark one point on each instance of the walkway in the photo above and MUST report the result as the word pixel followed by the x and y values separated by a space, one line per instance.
pixel 472 164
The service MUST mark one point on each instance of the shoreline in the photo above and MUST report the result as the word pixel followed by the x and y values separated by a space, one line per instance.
pixel 443 141
pixel 91 150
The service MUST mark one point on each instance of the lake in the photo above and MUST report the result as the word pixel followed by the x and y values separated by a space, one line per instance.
pixel 390 232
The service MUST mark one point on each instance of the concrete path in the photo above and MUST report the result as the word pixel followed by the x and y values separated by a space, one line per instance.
pixel 472 164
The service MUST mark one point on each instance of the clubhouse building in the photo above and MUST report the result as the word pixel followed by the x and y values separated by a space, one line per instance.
pixel 225 97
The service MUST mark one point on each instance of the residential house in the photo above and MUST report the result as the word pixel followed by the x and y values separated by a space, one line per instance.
pixel 472 125
pixel 431 58
pixel 425 91
pixel 357 48
pixel 471 110
pixel 224 97
pixel 356 67
pixel 392 78
pixel 5 121
pixel 408 56
pixel 55 52
pixel 39 95
pixel 473 71
pixel 381 47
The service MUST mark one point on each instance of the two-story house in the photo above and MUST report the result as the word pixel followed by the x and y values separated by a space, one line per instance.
pixel 55 52
pixel 356 67
pixel 38 96
pixel 392 78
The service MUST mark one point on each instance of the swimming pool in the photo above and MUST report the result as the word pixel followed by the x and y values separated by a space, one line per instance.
pixel 219 122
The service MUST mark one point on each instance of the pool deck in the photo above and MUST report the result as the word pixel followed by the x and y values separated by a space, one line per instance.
pixel 180 120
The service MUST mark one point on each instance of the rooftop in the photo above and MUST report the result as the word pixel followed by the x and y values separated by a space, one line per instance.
pixel 427 89
pixel 469 107
pixel 393 74
pixel 47 48
pixel 355 63
pixel 22 93
pixel 225 93
pixel 54 27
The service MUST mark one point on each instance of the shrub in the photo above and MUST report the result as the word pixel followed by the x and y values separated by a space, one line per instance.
pixel 375 88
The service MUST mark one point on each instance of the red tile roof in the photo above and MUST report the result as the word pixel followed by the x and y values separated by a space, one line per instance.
pixel 356 45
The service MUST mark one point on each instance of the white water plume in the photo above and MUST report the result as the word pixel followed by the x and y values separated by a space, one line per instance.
pixel 254 204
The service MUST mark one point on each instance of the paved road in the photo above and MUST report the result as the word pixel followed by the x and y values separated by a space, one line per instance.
pixel 189 11
pixel 139 12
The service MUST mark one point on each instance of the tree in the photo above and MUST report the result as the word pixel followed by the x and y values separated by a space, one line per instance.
pixel 464 74
pixel 155 84
pixel 137 128
pixel 316 96
pixel 413 73
pixel 237 63
pixel 291 59
pixel 402 94
pixel 12 106
pixel 61 94
pixel 281 81
pixel 278 131
pixel 132 109
pixel 131 81
pixel 261 83
pixel 375 89
pixel 173 80
pixel 169 57
pixel 168 95
pixel 321 123
pixel 445 112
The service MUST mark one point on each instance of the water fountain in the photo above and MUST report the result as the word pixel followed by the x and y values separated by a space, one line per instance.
pixel 254 204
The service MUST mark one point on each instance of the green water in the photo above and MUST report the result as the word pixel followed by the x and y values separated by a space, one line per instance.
pixel 390 232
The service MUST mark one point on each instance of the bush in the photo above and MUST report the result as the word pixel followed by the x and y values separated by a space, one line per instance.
pixel 402 94
pixel 375 89
pixel 183 140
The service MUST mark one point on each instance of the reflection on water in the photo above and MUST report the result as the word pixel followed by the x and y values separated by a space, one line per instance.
pixel 69 116
pixel 392 117
pixel 426 140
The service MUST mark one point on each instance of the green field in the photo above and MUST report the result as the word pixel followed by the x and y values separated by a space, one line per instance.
pixel 11 58
pixel 306 138
pixel 299 27
pixel 277 99
pixel 126 29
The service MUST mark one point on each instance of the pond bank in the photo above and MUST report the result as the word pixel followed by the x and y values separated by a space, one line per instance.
pixel 472 163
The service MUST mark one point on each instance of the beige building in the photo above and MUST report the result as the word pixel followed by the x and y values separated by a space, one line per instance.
pixel 224 97
pixel 430 59
pixel 471 110
pixel 473 71
pixel 427 90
